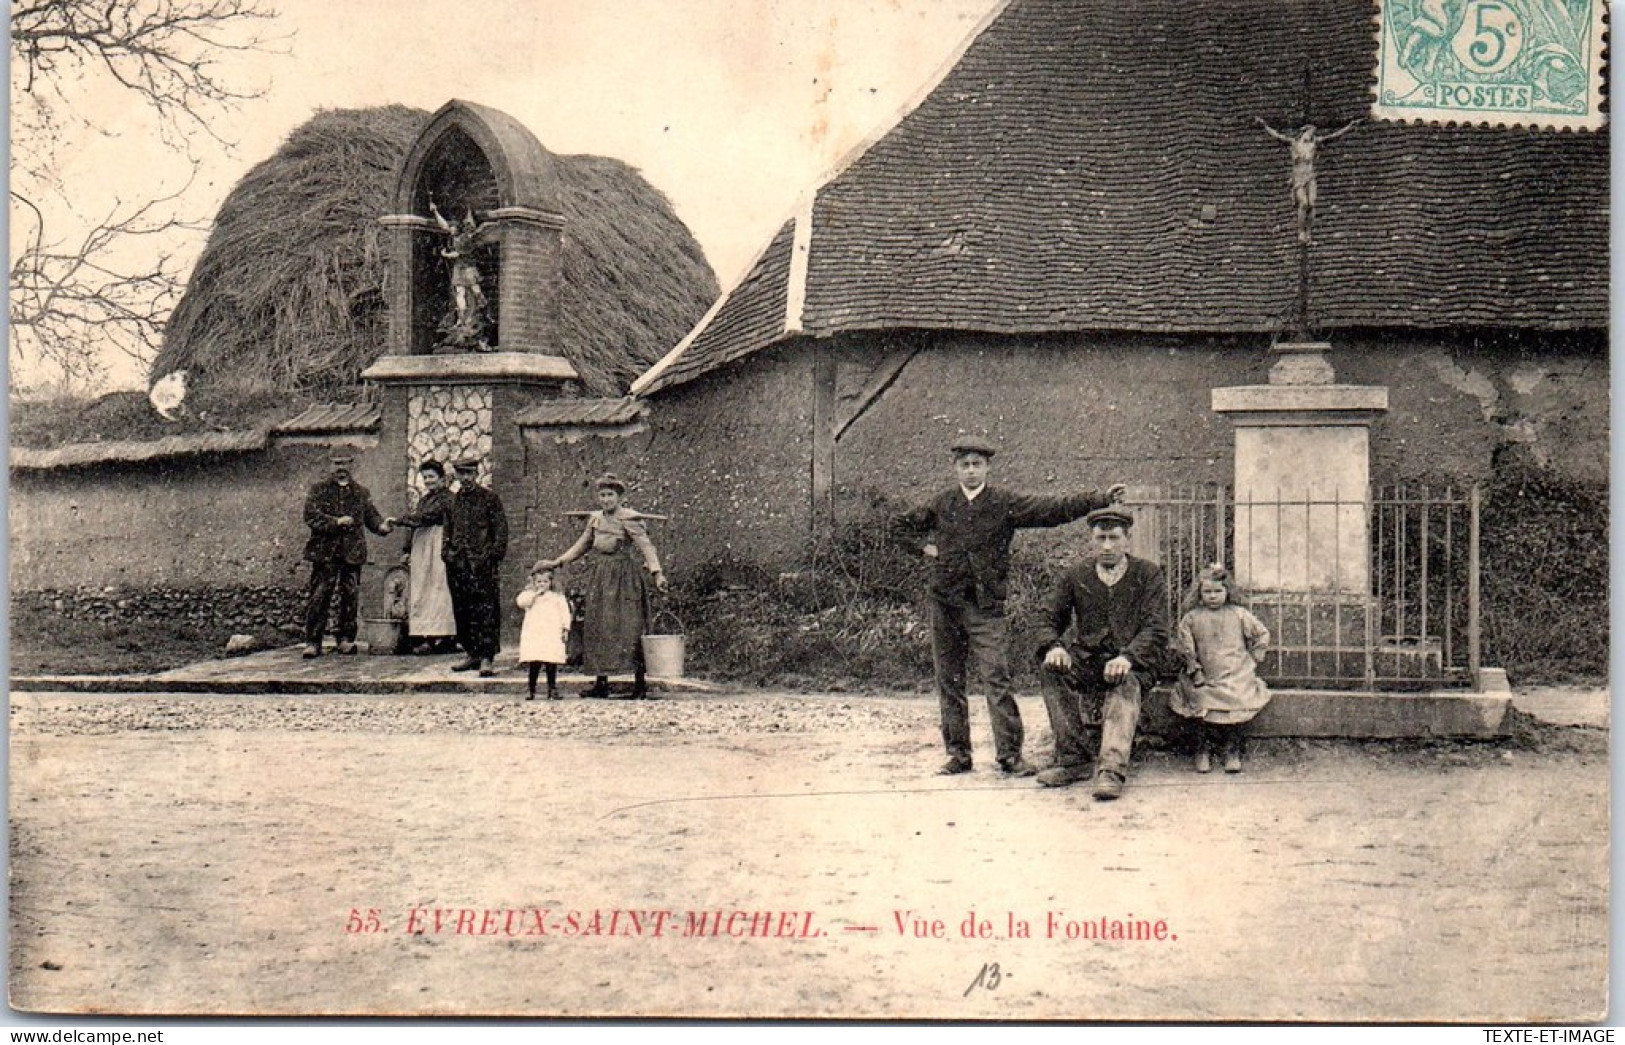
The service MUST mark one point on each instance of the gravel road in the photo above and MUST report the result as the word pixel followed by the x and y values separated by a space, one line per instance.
pixel 780 856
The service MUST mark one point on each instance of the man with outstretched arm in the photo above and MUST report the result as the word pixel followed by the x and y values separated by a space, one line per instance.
pixel 967 531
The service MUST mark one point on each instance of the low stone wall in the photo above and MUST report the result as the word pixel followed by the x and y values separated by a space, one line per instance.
pixel 248 609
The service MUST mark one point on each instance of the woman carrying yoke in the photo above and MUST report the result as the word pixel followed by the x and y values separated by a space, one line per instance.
pixel 619 559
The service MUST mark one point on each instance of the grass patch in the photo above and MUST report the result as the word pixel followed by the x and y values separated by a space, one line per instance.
pixel 1545 575
pixel 44 642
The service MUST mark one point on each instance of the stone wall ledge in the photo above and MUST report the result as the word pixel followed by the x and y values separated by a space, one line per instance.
pixel 484 368
pixel 1355 402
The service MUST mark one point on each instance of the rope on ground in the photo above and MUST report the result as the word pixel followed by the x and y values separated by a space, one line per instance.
pixel 1138 785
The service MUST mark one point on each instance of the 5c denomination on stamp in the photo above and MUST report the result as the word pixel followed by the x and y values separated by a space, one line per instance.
pixel 1529 63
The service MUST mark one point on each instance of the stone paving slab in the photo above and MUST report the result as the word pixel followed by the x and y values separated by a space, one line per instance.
pixel 1566 705
pixel 1302 713
pixel 286 671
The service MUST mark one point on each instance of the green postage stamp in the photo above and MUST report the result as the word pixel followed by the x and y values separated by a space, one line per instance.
pixel 1532 63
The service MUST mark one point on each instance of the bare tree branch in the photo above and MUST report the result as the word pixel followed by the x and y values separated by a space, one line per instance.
pixel 113 284
pixel 166 52
pixel 72 300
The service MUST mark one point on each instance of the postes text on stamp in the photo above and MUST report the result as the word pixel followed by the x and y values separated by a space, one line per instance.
pixel 1530 63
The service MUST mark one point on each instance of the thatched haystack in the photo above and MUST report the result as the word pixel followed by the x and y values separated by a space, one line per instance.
pixel 635 279
pixel 287 296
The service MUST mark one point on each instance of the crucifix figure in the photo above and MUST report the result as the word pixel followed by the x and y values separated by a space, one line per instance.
pixel 1304 144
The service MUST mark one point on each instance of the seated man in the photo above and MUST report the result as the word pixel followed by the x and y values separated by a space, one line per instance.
pixel 1117 606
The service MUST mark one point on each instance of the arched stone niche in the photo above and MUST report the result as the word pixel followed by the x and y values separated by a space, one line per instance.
pixel 481 166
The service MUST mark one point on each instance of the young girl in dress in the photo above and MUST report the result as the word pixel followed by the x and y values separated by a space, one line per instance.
pixel 1223 644
pixel 547 625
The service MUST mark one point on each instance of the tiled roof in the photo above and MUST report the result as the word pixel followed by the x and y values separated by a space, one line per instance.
pixel 1097 165
pixel 751 316
pixel 580 412
pixel 80 455
pixel 331 417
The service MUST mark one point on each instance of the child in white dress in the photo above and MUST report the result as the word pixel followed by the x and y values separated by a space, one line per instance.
pixel 1223 644
pixel 546 628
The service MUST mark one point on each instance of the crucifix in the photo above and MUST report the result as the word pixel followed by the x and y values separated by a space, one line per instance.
pixel 1305 143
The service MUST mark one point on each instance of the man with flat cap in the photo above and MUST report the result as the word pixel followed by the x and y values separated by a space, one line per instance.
pixel 967 531
pixel 473 546
pixel 335 510
pixel 1117 607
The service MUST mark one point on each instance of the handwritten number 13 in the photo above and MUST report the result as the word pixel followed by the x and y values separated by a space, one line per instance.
pixel 988 979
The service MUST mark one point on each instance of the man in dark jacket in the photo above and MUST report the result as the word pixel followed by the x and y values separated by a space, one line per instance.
pixel 969 529
pixel 1117 606
pixel 335 510
pixel 473 546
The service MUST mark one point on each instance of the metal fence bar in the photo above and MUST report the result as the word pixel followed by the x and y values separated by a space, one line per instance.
pixel 1308 572
pixel 1473 635
pixel 1401 556
pixel 1450 572
pixel 1380 556
pixel 1424 633
pixel 1404 624
pixel 1280 557
pixel 1373 523
pixel 1337 581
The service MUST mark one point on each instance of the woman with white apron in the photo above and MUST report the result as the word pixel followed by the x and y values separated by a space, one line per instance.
pixel 430 624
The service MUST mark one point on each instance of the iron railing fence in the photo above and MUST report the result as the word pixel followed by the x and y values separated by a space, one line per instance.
pixel 1378 593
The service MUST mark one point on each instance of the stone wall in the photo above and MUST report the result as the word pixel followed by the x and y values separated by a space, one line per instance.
pixel 1079 412
pixel 1067 410
pixel 727 460
pixel 446 423
pixel 228 523
pixel 729 456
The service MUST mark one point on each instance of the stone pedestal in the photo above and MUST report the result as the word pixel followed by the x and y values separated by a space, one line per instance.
pixel 450 406
pixel 1303 476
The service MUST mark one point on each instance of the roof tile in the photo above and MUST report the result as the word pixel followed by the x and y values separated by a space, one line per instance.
pixel 81 455
pixel 331 417
pixel 580 412
pixel 1095 165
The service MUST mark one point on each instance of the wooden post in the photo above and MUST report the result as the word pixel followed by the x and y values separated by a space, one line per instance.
pixel 823 449
pixel 1304 330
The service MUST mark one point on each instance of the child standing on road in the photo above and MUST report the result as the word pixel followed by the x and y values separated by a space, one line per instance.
pixel 547 625
pixel 1223 644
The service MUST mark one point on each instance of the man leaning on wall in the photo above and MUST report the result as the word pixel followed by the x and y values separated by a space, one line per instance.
pixel 1116 606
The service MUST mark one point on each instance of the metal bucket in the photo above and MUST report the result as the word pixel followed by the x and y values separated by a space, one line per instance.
pixel 380 634
pixel 663 653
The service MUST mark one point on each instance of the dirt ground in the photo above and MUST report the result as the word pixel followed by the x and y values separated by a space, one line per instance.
pixel 211 855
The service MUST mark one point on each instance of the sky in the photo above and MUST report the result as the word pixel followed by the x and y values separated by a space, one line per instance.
pixel 733 108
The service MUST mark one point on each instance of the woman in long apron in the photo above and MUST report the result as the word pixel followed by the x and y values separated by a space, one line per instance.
pixel 620 559
pixel 430 623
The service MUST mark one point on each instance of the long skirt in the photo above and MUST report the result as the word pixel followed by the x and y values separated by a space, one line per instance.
pixel 615 612
pixel 428 611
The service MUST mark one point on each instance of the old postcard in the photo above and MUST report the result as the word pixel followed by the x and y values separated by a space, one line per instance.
pixel 1018 510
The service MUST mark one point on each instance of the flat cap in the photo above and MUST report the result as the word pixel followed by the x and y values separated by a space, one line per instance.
pixel 467 464
pixel 972 445
pixel 609 481
pixel 342 457
pixel 1111 515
